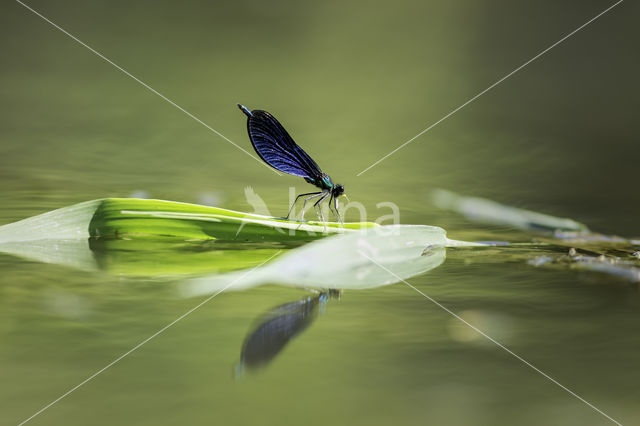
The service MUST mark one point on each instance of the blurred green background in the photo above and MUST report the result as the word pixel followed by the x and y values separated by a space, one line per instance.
pixel 350 81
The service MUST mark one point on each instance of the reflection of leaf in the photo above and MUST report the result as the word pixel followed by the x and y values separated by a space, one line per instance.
pixel 337 262
pixel 144 256
pixel 157 257
pixel 278 327
pixel 73 253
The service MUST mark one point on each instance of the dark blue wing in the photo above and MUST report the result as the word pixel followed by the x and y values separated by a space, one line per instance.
pixel 274 145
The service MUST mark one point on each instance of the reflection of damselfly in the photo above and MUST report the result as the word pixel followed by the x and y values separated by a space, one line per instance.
pixel 277 327
pixel 274 145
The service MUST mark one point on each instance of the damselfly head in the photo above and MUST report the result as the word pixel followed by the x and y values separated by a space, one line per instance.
pixel 337 190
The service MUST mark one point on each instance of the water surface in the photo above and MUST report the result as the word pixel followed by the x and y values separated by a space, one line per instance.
pixel 350 82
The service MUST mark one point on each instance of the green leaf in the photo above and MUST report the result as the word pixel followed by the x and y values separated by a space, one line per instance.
pixel 131 217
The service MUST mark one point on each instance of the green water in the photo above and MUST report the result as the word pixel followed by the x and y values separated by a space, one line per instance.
pixel 351 82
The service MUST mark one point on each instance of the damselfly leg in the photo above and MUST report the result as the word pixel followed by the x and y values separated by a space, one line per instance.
pixel 304 205
pixel 318 209
pixel 296 200
pixel 334 208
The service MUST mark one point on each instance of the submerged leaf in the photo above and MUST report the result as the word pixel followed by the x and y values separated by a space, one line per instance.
pixel 621 268
pixel 487 211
